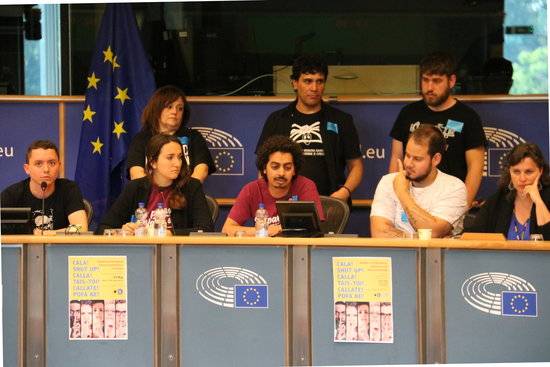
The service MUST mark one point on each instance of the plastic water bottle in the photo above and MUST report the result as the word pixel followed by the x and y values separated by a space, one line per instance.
pixel 160 221
pixel 141 217
pixel 260 220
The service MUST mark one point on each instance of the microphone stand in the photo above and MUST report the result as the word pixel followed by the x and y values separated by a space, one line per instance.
pixel 161 191
pixel 43 186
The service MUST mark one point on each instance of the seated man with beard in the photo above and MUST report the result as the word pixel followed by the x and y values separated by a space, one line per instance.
pixel 419 195
pixel 279 161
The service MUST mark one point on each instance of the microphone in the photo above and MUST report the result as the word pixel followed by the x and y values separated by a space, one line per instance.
pixel 43 186
pixel 161 191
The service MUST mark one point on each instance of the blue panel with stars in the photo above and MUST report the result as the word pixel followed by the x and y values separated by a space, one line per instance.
pixel 496 158
pixel 250 296
pixel 228 161
pixel 519 304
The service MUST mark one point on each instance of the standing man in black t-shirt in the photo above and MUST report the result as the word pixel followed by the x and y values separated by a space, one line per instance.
pixel 63 203
pixel 460 125
pixel 327 135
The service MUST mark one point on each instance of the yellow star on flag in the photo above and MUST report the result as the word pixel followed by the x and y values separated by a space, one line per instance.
pixel 88 113
pixel 92 81
pixel 122 95
pixel 119 129
pixel 97 145
pixel 115 65
pixel 108 55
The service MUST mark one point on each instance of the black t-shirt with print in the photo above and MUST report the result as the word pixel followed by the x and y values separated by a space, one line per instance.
pixel 340 142
pixel 65 200
pixel 461 127
pixel 306 131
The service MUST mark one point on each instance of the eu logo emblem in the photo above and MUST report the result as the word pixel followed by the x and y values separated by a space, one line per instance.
pixel 519 304
pixel 250 296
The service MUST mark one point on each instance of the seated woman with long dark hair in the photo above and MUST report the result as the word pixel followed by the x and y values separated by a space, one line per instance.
pixel 168 182
pixel 520 207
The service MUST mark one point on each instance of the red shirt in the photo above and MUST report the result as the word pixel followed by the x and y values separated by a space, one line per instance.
pixel 256 192
pixel 159 196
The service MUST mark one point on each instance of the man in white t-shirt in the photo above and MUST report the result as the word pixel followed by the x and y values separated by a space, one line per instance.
pixel 419 195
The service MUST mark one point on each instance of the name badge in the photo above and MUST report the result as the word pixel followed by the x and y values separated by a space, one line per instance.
pixel 331 126
pixel 455 126
pixel 184 140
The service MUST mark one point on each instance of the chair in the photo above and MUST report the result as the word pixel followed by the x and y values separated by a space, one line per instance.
pixel 336 213
pixel 213 206
pixel 469 218
pixel 89 209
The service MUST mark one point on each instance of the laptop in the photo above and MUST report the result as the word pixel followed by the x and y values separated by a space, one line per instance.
pixel 15 220
pixel 298 219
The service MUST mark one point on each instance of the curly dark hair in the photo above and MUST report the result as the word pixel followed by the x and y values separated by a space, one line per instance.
pixel 278 143
pixel 158 101
pixel 516 155
pixel 309 64
pixel 177 199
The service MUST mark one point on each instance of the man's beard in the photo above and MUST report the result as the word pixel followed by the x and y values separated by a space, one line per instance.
pixel 421 177
pixel 280 183
pixel 439 100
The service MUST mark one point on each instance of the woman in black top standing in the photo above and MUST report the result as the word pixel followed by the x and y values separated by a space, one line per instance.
pixel 168 112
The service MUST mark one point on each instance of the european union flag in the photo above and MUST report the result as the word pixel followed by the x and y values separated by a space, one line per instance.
pixel 228 161
pixel 250 296
pixel 519 303
pixel 496 160
pixel 120 82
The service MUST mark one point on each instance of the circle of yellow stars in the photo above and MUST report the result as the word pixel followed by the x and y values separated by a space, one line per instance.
pixel 122 96
pixel 255 293
pixel 501 160
pixel 525 307
pixel 218 158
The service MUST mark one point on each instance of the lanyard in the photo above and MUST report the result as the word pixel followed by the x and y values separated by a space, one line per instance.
pixel 519 228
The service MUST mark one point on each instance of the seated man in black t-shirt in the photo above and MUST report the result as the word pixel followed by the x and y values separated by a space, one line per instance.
pixel 63 205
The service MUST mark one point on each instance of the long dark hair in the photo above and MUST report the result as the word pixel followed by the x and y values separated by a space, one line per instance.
pixel 177 199
pixel 516 155
pixel 158 101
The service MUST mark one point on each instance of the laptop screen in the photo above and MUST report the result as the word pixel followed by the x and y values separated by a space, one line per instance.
pixel 300 215
pixel 15 220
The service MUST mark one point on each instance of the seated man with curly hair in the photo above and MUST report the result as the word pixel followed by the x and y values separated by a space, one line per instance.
pixel 279 160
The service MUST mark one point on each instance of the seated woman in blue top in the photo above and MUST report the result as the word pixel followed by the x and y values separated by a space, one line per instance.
pixel 520 207
pixel 168 182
